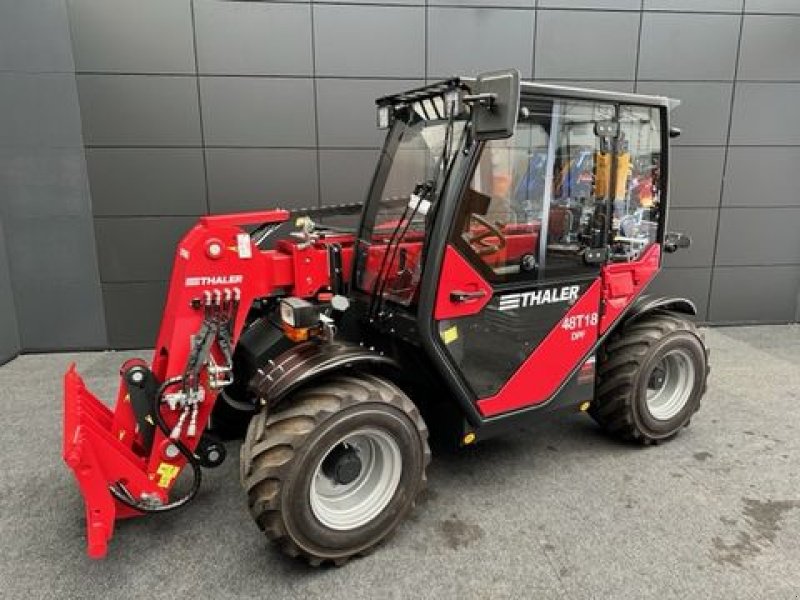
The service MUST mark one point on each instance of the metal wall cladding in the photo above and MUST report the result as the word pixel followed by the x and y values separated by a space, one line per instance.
pixel 197 106
pixel 50 297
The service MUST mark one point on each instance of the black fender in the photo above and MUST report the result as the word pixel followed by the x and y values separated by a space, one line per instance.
pixel 308 361
pixel 647 304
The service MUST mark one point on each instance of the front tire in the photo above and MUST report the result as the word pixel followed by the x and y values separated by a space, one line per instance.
pixel 335 469
pixel 651 376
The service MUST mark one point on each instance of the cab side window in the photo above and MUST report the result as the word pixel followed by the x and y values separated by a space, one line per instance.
pixel 535 202
pixel 576 214
pixel 501 213
pixel 637 199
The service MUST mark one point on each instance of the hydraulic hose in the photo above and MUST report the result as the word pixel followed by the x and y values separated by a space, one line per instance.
pixel 123 495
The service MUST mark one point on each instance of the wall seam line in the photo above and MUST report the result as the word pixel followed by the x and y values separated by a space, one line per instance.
pixel 200 108
pixel 316 102
pixel 725 162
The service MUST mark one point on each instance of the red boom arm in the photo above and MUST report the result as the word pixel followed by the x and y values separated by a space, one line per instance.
pixel 218 272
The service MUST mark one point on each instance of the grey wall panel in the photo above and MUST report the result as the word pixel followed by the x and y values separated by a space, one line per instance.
pixel 64 245
pixel 703 113
pixel 52 263
pixel 759 176
pixel 592 4
pixel 64 316
pixel 772 6
pixel 701 226
pixel 693 284
pixel 146 36
pixel 243 111
pixel 755 236
pixel 138 249
pixel 270 38
pixel 345 175
pixel 9 332
pixel 32 37
pixel 369 41
pixel 133 313
pixel 614 86
pixel 766 113
pixel 690 46
pixel 770 48
pixel 391 2
pixel 754 294
pixel 475 49
pixel 259 179
pixel 567 45
pixel 39 111
pixel 346 110
pixel 733 6
pixel 49 261
pixel 42 182
pixel 139 110
pixel 492 3
pixel 695 176
pixel 146 181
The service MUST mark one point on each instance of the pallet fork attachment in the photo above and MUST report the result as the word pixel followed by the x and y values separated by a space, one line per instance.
pixel 98 459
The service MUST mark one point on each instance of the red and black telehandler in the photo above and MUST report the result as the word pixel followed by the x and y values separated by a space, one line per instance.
pixel 496 273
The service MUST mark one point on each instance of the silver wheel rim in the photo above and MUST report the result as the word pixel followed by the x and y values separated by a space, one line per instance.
pixel 345 506
pixel 670 385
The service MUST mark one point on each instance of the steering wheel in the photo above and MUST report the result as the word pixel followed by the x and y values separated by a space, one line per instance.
pixel 479 240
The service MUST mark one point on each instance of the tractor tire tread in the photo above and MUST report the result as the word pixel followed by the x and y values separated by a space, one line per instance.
pixel 618 364
pixel 267 453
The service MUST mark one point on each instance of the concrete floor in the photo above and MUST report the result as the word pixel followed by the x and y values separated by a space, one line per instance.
pixel 555 510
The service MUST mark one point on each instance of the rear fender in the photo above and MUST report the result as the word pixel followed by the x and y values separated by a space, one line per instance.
pixel 309 361
pixel 647 304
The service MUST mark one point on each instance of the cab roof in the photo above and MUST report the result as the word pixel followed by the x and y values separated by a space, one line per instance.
pixel 530 88
pixel 547 89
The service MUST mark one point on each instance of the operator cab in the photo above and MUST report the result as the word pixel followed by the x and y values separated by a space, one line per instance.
pixel 493 211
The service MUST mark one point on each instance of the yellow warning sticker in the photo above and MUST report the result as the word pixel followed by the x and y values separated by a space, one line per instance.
pixel 167 472
pixel 450 335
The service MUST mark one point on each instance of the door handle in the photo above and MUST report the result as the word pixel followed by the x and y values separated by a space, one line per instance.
pixel 460 296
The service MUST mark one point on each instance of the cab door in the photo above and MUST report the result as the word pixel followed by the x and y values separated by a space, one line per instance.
pixel 518 305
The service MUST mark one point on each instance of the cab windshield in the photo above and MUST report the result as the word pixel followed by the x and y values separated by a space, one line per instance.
pixel 412 172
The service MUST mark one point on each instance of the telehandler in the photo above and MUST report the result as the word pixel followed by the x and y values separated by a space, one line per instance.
pixel 496 273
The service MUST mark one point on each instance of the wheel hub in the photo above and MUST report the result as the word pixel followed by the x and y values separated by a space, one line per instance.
pixel 670 385
pixel 356 479
pixel 342 465
pixel 657 378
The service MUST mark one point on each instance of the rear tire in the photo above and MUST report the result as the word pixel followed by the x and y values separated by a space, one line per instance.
pixel 651 376
pixel 335 469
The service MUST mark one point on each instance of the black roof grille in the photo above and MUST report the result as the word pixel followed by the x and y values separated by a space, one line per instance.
pixel 422 93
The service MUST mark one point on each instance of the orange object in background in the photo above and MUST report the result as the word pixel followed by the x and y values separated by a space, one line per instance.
pixel 602 174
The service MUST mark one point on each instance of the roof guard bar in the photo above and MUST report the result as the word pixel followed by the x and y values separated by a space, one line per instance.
pixel 422 93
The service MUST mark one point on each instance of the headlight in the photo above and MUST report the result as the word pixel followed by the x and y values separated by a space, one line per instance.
pixel 298 313
pixel 287 313
pixel 384 117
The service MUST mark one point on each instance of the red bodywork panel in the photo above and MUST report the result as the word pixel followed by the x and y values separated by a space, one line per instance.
pixel 458 274
pixel 623 282
pixel 216 259
pixel 550 363
pixel 548 366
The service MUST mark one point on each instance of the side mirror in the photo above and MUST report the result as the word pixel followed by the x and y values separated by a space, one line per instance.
pixel 495 104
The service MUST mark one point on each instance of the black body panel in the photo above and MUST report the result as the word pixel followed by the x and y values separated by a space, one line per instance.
pixel 310 360
pixel 646 303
